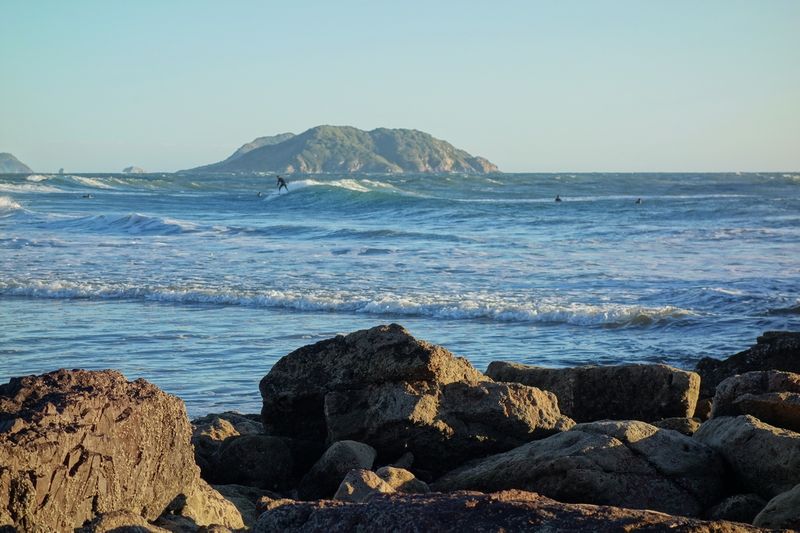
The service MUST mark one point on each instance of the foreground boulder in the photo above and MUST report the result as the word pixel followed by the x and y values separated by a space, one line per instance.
pixel 627 464
pixel 618 392
pixel 77 444
pixel 782 511
pixel 774 350
pixel 397 394
pixel 765 459
pixel 771 396
pixel 471 511
pixel 256 460
pixel 211 431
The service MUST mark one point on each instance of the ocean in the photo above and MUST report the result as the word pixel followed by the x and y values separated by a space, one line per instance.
pixel 198 284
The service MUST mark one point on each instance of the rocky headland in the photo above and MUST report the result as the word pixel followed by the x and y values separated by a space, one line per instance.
pixel 379 431
pixel 11 165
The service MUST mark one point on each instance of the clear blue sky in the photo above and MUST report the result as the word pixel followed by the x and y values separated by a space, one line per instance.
pixel 533 86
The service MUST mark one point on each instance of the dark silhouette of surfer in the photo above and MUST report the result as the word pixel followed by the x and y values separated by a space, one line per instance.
pixel 282 185
pixel 558 197
pixel 638 200
pixel 259 194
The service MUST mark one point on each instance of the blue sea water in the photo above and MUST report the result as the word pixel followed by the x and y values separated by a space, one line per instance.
pixel 199 285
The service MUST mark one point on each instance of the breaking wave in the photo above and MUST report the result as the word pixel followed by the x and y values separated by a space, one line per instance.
pixel 462 308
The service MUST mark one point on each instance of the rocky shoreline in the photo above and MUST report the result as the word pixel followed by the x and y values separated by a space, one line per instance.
pixel 379 431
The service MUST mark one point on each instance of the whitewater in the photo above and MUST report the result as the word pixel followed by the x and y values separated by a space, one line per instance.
pixel 199 284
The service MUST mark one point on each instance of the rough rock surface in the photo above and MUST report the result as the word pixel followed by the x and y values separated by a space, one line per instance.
pixel 771 396
pixel 120 522
pixel 204 506
pixel 628 464
pixel 782 511
pixel 443 425
pixel 245 499
pixel 470 511
pixel 383 387
pixel 359 485
pixel 326 475
pixel 618 392
pixel 294 390
pixel 258 460
pixel 75 444
pixel 765 459
pixel 687 426
pixel 402 480
pixel 774 350
pixel 210 431
pixel 737 508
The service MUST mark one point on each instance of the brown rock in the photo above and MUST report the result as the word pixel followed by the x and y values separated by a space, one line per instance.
pixel 782 511
pixel 120 522
pixel 628 464
pixel 737 508
pixel 293 392
pixel 470 511
pixel 210 431
pixel 443 425
pixel 325 476
pixel 77 444
pixel 245 499
pixel 774 350
pixel 771 396
pixel 619 392
pixel 402 480
pixel 765 459
pixel 687 426
pixel 205 506
pixel 359 485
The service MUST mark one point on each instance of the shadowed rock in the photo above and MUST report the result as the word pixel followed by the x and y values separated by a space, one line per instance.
pixel 782 511
pixel 618 392
pixel 629 464
pixel 765 459
pixel 774 350
pixel 76 444
pixel 475 512
pixel 771 396
pixel 737 508
pixel 326 475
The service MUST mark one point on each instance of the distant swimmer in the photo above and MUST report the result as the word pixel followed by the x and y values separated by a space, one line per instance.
pixel 259 194
pixel 282 185
pixel 558 197
pixel 638 200
pixel 88 196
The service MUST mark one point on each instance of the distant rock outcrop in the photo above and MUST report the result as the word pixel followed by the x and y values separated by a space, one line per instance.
pixel 11 165
pixel 133 170
pixel 348 149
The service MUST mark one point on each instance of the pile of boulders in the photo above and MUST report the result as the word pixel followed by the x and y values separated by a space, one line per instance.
pixel 377 430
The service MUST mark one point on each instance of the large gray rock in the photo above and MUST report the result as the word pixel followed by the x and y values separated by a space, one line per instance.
pixel 294 390
pixel 774 350
pixel 618 392
pixel 210 431
pixel 628 464
pixel 765 459
pixel 771 396
pixel 326 475
pixel 443 425
pixel 385 388
pixel 77 444
pixel 471 511
pixel 782 511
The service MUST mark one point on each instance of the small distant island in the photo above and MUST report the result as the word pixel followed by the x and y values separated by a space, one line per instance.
pixel 347 149
pixel 11 165
pixel 133 170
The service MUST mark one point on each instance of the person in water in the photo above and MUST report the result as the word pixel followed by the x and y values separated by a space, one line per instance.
pixel 638 200
pixel 282 184
pixel 558 197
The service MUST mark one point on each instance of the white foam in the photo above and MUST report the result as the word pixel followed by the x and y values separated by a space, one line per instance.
pixel 472 307
pixel 93 183
pixel 27 188
pixel 37 178
pixel 8 204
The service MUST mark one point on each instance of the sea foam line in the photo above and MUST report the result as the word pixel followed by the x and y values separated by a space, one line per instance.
pixel 444 307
